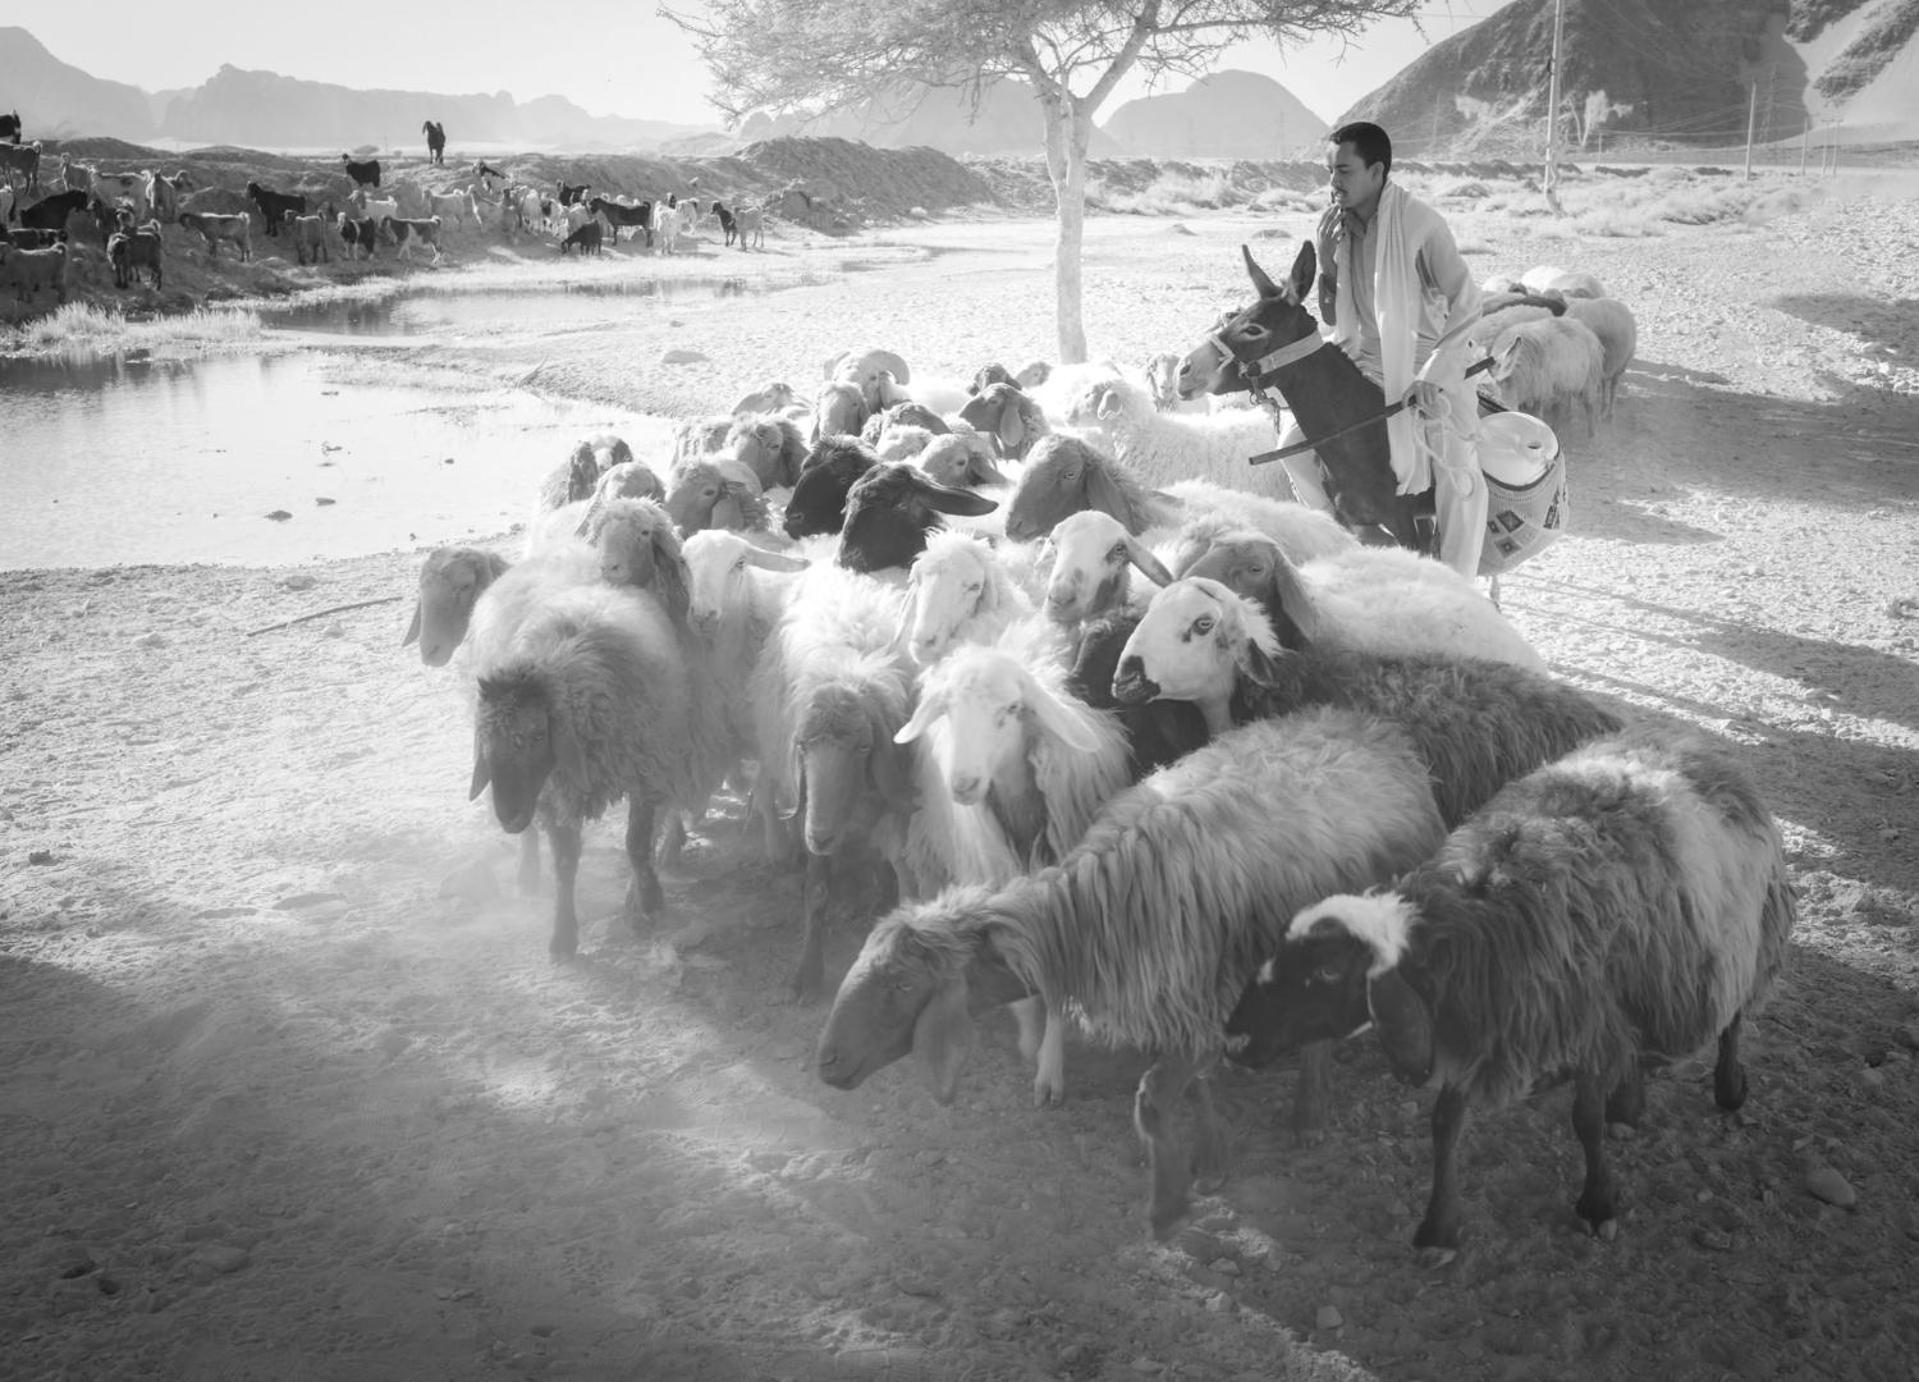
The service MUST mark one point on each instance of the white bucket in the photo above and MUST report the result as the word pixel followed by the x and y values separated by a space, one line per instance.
pixel 1515 448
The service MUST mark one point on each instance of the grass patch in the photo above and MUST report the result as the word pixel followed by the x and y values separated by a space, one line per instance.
pixel 1172 193
pixel 83 329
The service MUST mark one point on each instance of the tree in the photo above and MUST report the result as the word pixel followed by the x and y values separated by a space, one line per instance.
pixel 816 56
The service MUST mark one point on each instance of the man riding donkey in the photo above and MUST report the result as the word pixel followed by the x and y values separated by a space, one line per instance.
pixel 1400 300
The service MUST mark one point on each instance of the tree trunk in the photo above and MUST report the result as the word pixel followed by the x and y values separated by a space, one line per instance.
pixel 1067 133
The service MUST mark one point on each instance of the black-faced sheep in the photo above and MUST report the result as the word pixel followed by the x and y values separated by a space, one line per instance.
pixel 889 512
pixel 1012 418
pixel 1628 902
pixel 1153 923
pixel 818 502
pixel 1478 724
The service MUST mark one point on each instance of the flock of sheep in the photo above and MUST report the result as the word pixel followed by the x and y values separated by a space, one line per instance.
pixel 1120 735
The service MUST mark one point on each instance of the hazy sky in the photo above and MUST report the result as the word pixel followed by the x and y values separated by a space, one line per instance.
pixel 613 57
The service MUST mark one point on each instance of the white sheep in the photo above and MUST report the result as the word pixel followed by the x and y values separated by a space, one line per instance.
pixel 1376 599
pixel 591 701
pixel 1153 923
pixel 1625 903
pixel 902 442
pixel 1013 420
pixel 1612 322
pixel 1545 278
pixel 1161 448
pixel 1548 367
pixel 1093 560
pixel 962 459
pixel 961 590
pixel 1029 767
pixel 772 444
pixel 737 592
pixel 452 579
pixel 717 492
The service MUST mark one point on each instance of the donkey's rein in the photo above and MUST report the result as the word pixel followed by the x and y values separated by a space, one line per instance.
pixel 1263 370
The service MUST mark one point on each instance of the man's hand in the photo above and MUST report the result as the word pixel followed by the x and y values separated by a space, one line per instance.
pixel 1327 237
pixel 1426 398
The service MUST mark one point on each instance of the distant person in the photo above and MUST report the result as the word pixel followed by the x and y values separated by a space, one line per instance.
pixel 1400 300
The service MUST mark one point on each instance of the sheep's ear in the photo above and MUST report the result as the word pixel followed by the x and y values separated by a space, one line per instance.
pixel 959 501
pixel 1504 358
pixel 1149 565
pixel 930 708
pixel 980 470
pixel 482 771
pixel 774 561
pixel 1305 267
pixel 1257 663
pixel 1262 284
pixel 943 1037
pixel 1295 621
pixel 1056 719
pixel 1103 493
pixel 669 579
pixel 1405 1025
pixel 413 629
pixel 1105 402
pixel 1011 431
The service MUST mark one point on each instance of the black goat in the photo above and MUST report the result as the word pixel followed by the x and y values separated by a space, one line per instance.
pixel 50 213
pixel 571 194
pixel 435 141
pixel 618 214
pixel 586 239
pixel 274 206
pixel 727 223
pixel 363 174
pixel 10 127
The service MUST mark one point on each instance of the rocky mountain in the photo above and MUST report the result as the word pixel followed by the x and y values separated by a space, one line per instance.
pixel 1229 114
pixel 1007 120
pixel 1666 71
pixel 267 110
pixel 57 99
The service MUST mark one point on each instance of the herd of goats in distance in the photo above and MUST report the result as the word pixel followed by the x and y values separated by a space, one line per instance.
pixel 49 228
pixel 1107 727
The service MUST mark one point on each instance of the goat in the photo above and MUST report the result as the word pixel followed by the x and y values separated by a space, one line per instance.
pixel 308 234
pixel 363 174
pixel 214 227
pixel 405 233
pixel 274 206
pixel 585 238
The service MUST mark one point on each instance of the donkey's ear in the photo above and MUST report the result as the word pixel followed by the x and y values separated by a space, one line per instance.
pixel 1305 266
pixel 1262 285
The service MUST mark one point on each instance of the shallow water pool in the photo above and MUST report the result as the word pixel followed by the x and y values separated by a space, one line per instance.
pixel 126 461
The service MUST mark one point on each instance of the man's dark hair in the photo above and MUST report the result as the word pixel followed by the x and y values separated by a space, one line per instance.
pixel 1369 141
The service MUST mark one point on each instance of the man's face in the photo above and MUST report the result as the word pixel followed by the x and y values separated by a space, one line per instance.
pixel 1354 183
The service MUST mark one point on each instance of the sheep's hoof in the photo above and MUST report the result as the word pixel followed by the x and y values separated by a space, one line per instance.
pixel 1046 1094
pixel 1208 1182
pixel 563 948
pixel 1434 1258
pixel 1606 1230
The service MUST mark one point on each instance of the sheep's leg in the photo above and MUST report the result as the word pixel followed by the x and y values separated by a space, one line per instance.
pixel 565 840
pixel 1042 1034
pixel 529 876
pixel 1159 1093
pixel 816 893
pixel 1627 1102
pixel 1210 1160
pixel 1315 1085
pixel 644 901
pixel 1437 1237
pixel 673 840
pixel 1729 1076
pixel 1598 1201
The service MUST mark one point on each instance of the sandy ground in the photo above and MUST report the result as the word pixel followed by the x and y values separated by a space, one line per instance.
pixel 289 1089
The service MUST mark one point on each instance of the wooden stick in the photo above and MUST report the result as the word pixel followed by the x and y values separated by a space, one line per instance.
pixel 323 613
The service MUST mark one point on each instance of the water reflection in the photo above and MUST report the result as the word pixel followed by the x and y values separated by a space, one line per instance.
pixel 125 460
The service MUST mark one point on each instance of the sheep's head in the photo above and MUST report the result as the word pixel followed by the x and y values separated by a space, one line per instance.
pixel 848 760
pixel 1193 643
pixel 907 992
pixel 818 501
pixel 1032 374
pixel 988 375
pixel 771 446
pixel 1092 556
pixel 839 410
pixel 638 547
pixel 889 511
pixel 961 460
pixel 609 449
pixel 1250 564
pixel 1063 476
pixel 451 582
pixel 902 441
pixel 631 480
pixel 719 567
pixel 953 580
pixel 1336 971
pixel 1007 415
pixel 1162 378
pixel 1109 402
pixel 716 494
pixel 995 706
pixel 582 473
pixel 863 368
pixel 518 741
pixel 769 398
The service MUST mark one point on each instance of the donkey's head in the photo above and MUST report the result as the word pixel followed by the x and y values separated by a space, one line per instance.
pixel 1277 317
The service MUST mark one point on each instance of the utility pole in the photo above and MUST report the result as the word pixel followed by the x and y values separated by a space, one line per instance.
pixel 1752 119
pixel 1552 111
pixel 1805 143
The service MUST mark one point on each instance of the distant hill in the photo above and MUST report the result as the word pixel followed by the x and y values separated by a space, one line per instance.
pixel 1670 71
pixel 1228 114
pixel 265 109
pixel 1008 120
pixel 56 99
